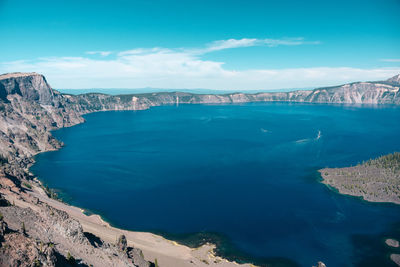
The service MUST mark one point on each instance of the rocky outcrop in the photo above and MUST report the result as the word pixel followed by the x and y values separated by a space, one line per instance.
pixel 19 250
pixel 392 243
pixel 122 243
pixel 30 86
pixel 49 232
pixel 395 258
pixel 29 109
pixel 34 233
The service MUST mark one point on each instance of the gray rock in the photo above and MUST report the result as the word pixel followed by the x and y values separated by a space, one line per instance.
pixel 30 86
pixel 392 243
pixel 395 258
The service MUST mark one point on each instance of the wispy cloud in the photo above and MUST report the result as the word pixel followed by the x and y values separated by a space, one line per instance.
pixel 227 44
pixel 390 59
pixel 185 68
pixel 101 53
pixel 222 45
pixel 246 42
pixel 250 42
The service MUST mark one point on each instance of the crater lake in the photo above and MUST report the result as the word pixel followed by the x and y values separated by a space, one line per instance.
pixel 244 176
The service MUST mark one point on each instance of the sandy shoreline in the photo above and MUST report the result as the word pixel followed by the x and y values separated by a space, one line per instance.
pixel 168 253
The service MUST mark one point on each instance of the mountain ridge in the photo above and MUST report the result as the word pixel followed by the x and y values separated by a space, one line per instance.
pixel 32 107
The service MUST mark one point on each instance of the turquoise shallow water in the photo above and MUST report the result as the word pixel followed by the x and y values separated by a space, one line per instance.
pixel 245 173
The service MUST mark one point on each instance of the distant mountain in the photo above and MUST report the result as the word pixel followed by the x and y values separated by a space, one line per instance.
pixel 395 80
pixel 124 91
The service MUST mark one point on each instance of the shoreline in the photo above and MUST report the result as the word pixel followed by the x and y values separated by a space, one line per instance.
pixel 205 251
pixel 349 181
pixel 359 197
pixel 336 191
pixel 167 252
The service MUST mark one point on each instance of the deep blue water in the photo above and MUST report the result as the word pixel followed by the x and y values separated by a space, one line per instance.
pixel 248 172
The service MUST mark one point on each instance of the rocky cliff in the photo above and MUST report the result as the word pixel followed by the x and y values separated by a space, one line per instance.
pixel 30 109
pixel 32 233
pixel 384 92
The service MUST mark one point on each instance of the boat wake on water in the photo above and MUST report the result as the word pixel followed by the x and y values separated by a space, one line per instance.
pixel 319 135
pixel 306 140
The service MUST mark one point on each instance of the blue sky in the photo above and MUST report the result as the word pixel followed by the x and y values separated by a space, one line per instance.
pixel 234 45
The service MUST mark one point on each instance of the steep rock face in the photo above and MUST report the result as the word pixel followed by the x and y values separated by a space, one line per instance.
pixel 29 108
pixel 385 92
pixel 30 86
pixel 357 93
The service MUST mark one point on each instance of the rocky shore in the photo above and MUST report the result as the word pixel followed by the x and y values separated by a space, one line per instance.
pixel 376 180
pixel 44 223
pixel 37 230
pixel 394 244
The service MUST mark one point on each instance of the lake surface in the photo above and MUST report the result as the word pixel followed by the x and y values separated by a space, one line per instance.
pixel 246 172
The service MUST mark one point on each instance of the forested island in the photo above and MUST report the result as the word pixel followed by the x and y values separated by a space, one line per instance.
pixel 376 180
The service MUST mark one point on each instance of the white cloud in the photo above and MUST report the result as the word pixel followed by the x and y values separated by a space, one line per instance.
pixel 184 68
pixel 230 43
pixel 139 51
pixel 248 42
pixel 391 60
pixel 101 53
